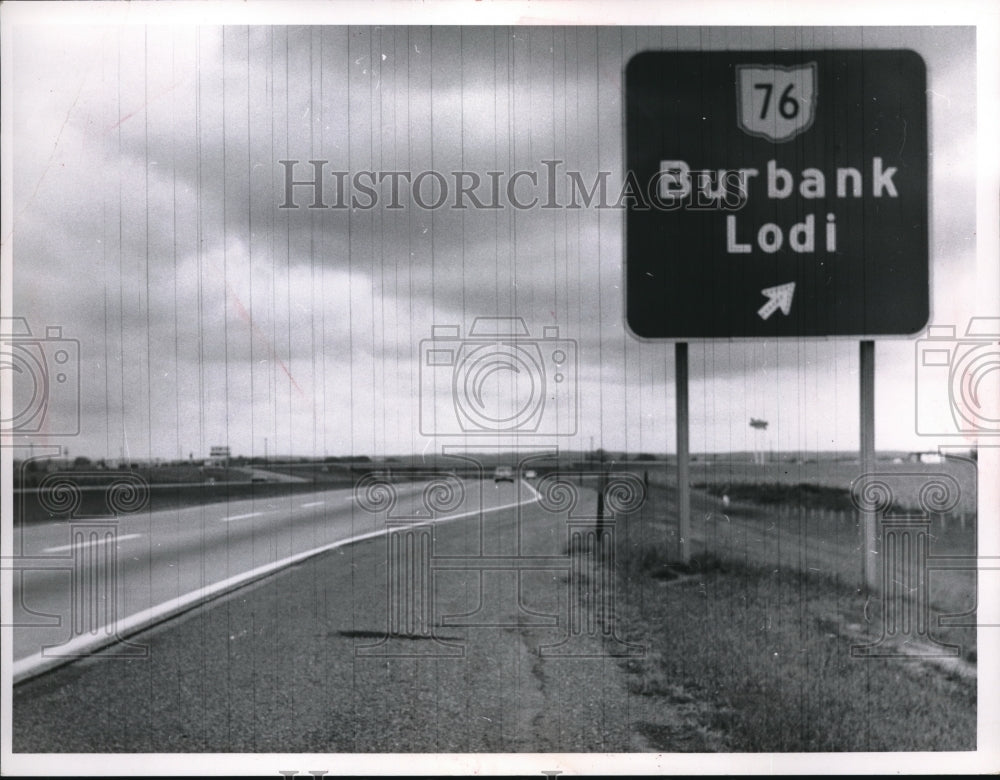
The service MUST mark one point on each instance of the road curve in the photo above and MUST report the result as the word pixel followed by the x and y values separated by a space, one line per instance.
pixel 81 586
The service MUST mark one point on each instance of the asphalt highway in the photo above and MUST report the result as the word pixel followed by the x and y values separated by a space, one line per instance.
pixel 468 629
pixel 79 584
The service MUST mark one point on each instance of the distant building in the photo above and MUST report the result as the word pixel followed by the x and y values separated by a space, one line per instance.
pixel 218 456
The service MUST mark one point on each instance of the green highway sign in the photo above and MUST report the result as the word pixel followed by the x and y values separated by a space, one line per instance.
pixel 779 194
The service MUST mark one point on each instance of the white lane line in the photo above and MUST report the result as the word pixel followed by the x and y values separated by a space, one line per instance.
pixel 88 543
pixel 241 517
pixel 86 644
pixel 312 503
pixel 534 493
pixel 472 512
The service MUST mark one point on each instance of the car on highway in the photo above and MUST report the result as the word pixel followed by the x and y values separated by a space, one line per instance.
pixel 503 474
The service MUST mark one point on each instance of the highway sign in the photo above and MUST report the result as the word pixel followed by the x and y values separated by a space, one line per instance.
pixel 777 194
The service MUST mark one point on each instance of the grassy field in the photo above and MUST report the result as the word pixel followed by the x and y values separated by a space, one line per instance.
pixel 763 657
pixel 905 479
pixel 753 640
pixel 795 535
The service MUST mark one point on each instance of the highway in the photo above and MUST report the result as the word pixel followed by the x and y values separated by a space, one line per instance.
pixel 166 561
pixel 419 617
pixel 457 633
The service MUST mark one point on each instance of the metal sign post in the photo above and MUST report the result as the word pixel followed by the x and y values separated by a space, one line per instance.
pixel 867 415
pixel 683 455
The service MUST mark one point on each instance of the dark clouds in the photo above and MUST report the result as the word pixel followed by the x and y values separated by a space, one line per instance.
pixel 147 187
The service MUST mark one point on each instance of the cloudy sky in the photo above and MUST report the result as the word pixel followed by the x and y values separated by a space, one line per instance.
pixel 146 224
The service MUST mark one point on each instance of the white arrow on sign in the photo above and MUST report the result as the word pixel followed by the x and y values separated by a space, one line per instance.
pixel 779 297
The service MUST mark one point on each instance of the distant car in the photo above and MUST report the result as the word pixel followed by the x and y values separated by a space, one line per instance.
pixel 530 474
pixel 503 474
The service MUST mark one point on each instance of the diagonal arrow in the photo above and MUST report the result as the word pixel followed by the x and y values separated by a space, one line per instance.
pixel 779 297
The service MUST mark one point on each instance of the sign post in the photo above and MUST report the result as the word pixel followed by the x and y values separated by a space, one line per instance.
pixel 868 518
pixel 683 454
pixel 776 194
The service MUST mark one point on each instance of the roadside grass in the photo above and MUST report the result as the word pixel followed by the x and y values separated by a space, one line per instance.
pixel 822 542
pixel 801 494
pixel 769 651
pixel 828 544
pixel 906 479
